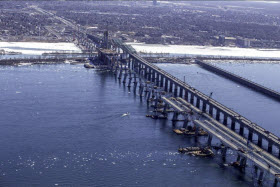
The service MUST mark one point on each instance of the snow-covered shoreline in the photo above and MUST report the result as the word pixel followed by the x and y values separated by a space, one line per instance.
pixel 38 48
pixel 205 51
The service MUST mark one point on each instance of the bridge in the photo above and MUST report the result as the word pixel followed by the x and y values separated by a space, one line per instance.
pixel 257 87
pixel 232 129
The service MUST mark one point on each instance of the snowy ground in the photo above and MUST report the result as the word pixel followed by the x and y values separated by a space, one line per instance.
pixel 37 48
pixel 208 51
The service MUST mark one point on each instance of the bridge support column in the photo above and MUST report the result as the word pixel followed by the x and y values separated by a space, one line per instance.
pixel 243 162
pixel 181 92
pixel 255 172
pixel 269 149
pixel 175 90
pixel 186 121
pixel 209 141
pixel 161 81
pixel 120 74
pixel 275 182
pixel 124 78
pixel 141 88
pixel 175 116
pixel 145 72
pixel 241 130
pixel 204 106
pixel 224 152
pixel 225 121
pixel 166 84
pixel 186 95
pixel 250 135
pixel 260 179
pixel 157 79
pixel 192 99
pixel 149 74
pixel 211 110
pixel 218 115
pixel 197 103
pixel 170 86
pixel 135 81
pixel 233 124
pixel 153 76
pixel 129 79
pixel 238 158
pixel 259 141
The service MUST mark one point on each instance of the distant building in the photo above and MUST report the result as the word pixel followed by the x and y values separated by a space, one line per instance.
pixel 243 42
pixel 155 2
pixel 222 40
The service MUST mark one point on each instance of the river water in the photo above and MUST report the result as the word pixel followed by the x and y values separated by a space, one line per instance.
pixel 64 125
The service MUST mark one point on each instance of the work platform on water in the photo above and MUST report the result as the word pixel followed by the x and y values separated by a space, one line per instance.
pixel 262 89
pixel 233 130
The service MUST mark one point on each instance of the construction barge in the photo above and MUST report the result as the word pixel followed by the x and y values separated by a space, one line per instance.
pixel 197 151
pixel 190 132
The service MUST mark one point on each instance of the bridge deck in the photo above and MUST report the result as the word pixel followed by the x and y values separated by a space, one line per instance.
pixel 228 137
pixel 267 91
pixel 248 124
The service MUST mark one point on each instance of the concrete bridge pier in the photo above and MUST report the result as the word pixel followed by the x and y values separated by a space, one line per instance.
pixel 211 110
pixel 260 179
pixel 135 81
pixel 218 115
pixel 225 121
pixel 186 121
pixel 146 73
pixel 259 141
pixel 181 92
pixel 166 85
pixel 250 135
pixel 192 99
pixel 241 130
pixel 232 124
pixel 255 172
pixel 175 116
pixel 153 76
pixel 161 81
pixel 197 103
pixel 209 141
pixel 186 95
pixel 224 152
pixel 129 79
pixel 243 162
pixel 157 79
pixel 175 90
pixel 170 86
pixel 204 106
pixel 149 74
pixel 124 78
pixel 269 148
pixel 275 182
pixel 148 96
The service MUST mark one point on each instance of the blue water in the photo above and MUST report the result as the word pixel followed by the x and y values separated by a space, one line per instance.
pixel 262 73
pixel 64 125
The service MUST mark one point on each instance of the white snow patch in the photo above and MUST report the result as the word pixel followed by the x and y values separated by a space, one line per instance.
pixel 37 48
pixel 193 50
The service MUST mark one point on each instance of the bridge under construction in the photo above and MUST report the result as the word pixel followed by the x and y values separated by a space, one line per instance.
pixel 249 140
